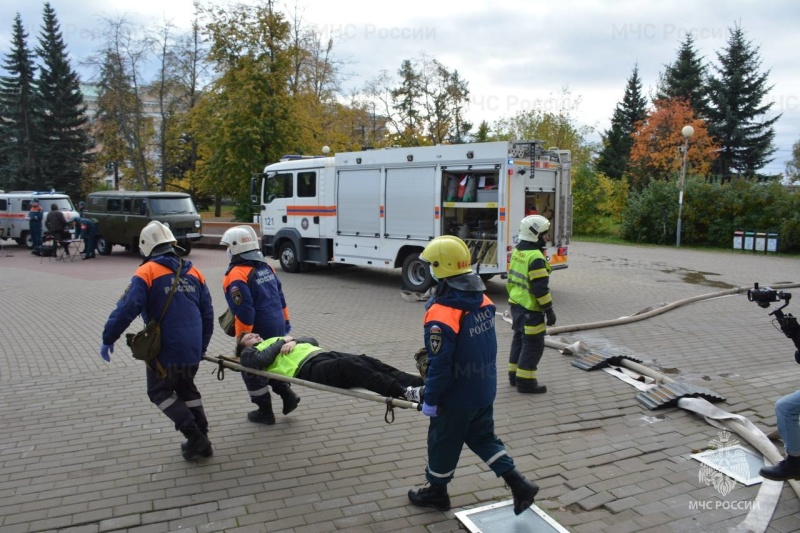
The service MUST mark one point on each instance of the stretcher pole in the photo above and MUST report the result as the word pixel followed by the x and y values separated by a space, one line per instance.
pixel 373 397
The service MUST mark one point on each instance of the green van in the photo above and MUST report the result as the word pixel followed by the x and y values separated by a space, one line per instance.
pixel 121 215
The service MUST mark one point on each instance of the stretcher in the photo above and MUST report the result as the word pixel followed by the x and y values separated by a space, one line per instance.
pixel 232 363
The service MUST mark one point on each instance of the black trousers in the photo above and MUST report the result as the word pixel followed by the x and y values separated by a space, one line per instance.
pixel 177 396
pixel 346 370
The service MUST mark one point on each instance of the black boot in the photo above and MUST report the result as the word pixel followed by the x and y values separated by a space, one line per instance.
pixel 787 469
pixel 197 444
pixel 524 491
pixel 512 378
pixel 262 415
pixel 185 444
pixel 530 386
pixel 290 399
pixel 434 495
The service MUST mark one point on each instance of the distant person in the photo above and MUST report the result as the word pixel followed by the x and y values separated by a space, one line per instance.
pixel 86 229
pixel 57 225
pixel 186 330
pixel 35 216
pixel 81 209
pixel 255 297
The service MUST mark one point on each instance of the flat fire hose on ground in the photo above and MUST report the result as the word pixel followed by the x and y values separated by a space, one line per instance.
pixel 223 362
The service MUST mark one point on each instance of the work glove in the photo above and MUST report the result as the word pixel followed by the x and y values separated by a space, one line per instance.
pixel 288 327
pixel 106 349
pixel 550 317
pixel 429 410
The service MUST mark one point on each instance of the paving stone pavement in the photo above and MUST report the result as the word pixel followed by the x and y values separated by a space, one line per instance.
pixel 83 450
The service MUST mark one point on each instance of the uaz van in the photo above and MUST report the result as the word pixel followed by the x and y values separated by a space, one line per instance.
pixel 121 215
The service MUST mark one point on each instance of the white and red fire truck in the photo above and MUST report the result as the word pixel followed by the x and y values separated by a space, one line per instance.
pixel 380 208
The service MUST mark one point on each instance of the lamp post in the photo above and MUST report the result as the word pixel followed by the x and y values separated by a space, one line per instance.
pixel 687 132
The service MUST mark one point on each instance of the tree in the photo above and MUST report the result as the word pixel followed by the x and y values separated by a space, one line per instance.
pixel 655 153
pixel 793 165
pixel 62 112
pixel 617 141
pixel 19 153
pixel 686 79
pixel 557 128
pixel 247 117
pixel 738 112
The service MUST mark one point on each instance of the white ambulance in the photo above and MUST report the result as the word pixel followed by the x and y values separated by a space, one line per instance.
pixel 380 208
pixel 14 208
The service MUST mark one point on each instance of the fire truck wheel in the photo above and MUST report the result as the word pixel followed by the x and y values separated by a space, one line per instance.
pixel 416 274
pixel 288 258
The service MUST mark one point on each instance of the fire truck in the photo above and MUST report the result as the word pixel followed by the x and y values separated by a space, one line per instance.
pixel 380 208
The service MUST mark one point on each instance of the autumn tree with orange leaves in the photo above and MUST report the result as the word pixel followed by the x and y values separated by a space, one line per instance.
pixel 657 143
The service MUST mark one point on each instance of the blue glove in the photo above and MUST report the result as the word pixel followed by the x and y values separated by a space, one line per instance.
pixel 106 349
pixel 288 327
pixel 429 410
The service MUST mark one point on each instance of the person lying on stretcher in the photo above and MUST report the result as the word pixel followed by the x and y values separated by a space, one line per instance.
pixel 302 358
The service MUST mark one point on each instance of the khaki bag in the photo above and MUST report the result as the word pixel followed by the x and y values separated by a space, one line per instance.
pixel 146 344
pixel 226 322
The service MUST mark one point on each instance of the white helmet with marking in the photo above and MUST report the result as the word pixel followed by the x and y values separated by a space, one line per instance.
pixel 153 235
pixel 533 227
pixel 240 239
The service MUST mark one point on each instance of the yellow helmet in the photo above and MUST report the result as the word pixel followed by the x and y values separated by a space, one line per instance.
pixel 448 256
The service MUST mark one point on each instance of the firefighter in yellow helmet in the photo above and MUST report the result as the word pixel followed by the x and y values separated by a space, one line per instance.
pixel 461 381
pixel 531 304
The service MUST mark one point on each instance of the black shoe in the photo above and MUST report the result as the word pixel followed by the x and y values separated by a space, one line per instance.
pixel 512 378
pixel 415 394
pixel 524 491
pixel 530 386
pixel 197 444
pixel 290 400
pixel 787 469
pixel 433 495
pixel 262 416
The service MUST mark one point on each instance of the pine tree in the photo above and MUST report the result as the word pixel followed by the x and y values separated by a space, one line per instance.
pixel 686 79
pixel 63 113
pixel 19 159
pixel 617 141
pixel 738 112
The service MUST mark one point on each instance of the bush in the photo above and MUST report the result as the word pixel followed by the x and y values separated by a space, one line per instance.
pixel 598 202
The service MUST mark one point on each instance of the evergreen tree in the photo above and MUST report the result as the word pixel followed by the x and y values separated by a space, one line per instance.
pixel 19 160
pixel 737 114
pixel 63 113
pixel 686 79
pixel 617 140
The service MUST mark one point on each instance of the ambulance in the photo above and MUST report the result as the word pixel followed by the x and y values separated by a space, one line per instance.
pixel 14 208
pixel 380 208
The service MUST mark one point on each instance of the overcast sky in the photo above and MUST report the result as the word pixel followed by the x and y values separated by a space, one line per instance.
pixel 513 52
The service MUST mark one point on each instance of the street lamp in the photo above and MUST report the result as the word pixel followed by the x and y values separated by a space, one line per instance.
pixel 687 132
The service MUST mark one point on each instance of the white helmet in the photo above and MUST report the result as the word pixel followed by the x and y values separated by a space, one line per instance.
pixel 240 239
pixel 533 227
pixel 152 235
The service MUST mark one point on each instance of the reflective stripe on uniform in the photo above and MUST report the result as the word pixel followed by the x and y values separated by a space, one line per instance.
pixel 535 330
pixel 512 367
pixel 442 476
pixel 194 403
pixel 526 374
pixel 168 402
pixel 495 457
pixel 260 392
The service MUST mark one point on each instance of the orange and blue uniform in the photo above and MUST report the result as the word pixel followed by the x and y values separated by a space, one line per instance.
pixel 462 380
pixel 186 330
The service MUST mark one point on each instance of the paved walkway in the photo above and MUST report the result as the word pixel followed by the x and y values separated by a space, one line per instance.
pixel 82 449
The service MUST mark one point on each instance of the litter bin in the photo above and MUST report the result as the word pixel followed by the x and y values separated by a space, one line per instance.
pixel 761 242
pixel 772 242
pixel 749 237
pixel 737 240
